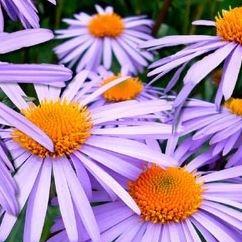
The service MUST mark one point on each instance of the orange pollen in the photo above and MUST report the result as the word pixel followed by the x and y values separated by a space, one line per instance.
pixel 164 196
pixel 126 90
pixel 67 124
pixel 234 105
pixel 106 25
pixel 229 25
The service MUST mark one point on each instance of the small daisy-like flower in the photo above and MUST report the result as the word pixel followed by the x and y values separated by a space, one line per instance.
pixel 8 188
pixel 225 47
pixel 24 11
pixel 94 40
pixel 177 204
pixel 63 133
pixel 131 89
pixel 223 129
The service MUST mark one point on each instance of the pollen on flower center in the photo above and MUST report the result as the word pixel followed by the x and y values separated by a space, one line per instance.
pixel 67 124
pixel 229 25
pixel 126 90
pixel 106 25
pixel 164 196
pixel 234 105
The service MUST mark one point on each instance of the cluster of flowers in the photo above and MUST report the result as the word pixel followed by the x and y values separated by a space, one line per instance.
pixel 93 146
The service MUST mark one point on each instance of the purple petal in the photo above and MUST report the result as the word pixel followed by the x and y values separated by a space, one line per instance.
pixel 204 22
pixel 37 204
pixel 191 230
pixel 74 86
pixel 83 176
pixel 107 53
pixel 214 227
pixel 24 38
pixel 222 175
pixel 231 73
pixel 225 201
pixel 113 162
pixel 25 179
pixel 65 200
pixel 177 40
pixel 1 20
pixel 15 94
pixel 152 233
pixel 34 73
pixel 131 148
pixel 109 181
pixel 27 13
pixel 199 161
pixel 203 67
pixel 81 201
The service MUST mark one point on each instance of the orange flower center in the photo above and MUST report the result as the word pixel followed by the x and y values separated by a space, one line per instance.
pixel 67 124
pixel 229 25
pixel 164 196
pixel 106 25
pixel 234 105
pixel 126 90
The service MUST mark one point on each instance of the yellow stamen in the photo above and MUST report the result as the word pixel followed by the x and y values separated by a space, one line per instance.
pixel 126 90
pixel 164 196
pixel 67 124
pixel 106 25
pixel 229 25
pixel 234 105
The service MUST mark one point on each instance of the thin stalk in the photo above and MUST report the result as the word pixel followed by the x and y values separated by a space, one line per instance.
pixel 161 17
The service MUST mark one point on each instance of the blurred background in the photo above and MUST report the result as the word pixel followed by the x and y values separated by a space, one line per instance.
pixel 172 17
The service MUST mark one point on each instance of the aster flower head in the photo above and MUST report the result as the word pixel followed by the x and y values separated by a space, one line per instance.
pixel 177 203
pixel 95 40
pixel 62 133
pixel 226 48
pixel 223 128
pixel 23 11
pixel 131 89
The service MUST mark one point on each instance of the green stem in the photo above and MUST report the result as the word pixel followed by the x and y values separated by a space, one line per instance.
pixel 161 17
pixel 59 9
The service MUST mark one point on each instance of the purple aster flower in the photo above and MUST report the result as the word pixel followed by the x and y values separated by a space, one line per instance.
pixel 22 10
pixel 63 134
pixel 131 89
pixel 178 203
pixel 225 47
pixel 94 40
pixel 8 187
pixel 223 129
